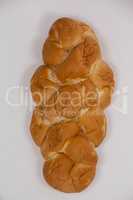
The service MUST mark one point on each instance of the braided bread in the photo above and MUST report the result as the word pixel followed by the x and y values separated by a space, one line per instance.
pixel 71 92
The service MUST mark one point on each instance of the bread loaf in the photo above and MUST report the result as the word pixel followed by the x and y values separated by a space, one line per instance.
pixel 71 91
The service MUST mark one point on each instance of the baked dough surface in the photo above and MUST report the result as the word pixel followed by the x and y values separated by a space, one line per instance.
pixel 71 91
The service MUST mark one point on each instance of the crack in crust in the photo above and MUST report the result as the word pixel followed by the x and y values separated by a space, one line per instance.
pixel 71 91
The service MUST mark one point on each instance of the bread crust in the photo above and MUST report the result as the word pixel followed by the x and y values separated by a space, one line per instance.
pixel 71 91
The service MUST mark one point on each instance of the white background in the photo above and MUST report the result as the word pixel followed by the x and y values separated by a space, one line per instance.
pixel 23 28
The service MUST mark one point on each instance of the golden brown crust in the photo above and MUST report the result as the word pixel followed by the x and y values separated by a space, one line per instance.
pixel 57 173
pixel 57 135
pixel 64 174
pixel 82 176
pixel 38 127
pixel 79 61
pixel 103 78
pixel 102 75
pixel 42 87
pixel 80 150
pixel 68 104
pixel 67 32
pixel 93 125
pixel 53 54
pixel 71 90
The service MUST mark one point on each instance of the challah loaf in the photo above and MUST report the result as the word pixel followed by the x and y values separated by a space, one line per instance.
pixel 71 91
